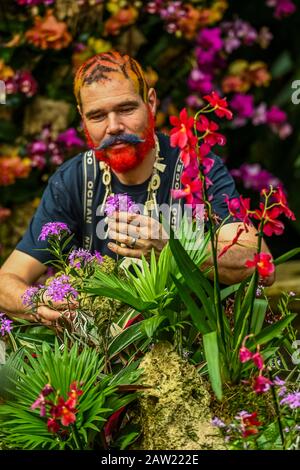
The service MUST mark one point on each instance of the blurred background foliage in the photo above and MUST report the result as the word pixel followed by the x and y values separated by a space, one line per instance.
pixel 247 51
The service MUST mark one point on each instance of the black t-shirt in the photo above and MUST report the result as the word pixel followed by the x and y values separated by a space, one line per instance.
pixel 62 200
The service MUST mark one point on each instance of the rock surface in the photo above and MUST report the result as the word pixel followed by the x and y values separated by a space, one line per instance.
pixel 175 412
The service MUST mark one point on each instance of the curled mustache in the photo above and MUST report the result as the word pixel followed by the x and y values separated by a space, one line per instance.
pixel 124 138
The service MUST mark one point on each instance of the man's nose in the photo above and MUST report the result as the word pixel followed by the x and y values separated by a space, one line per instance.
pixel 114 126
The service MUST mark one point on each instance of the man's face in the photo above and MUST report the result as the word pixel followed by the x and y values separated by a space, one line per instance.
pixel 112 110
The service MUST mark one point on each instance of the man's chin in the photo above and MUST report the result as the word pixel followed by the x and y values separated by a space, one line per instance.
pixel 121 159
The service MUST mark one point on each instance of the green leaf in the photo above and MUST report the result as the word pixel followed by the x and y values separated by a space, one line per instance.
pixel 259 312
pixel 128 439
pixel 127 337
pixel 198 315
pixel 272 331
pixel 210 342
pixel 151 324
pixel 283 258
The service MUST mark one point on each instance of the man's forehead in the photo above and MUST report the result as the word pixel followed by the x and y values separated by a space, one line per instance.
pixel 109 88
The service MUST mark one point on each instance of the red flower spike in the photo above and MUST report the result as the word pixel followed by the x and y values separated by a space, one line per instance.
pixel 219 104
pixel 263 263
pixel 182 132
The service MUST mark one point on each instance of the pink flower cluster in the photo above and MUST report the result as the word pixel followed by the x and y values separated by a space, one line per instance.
pixel 207 52
pixel 58 409
pixel 169 11
pixel 21 82
pixel 33 3
pixel 261 383
pixel 48 150
pixel 239 33
pixel 245 110
pixel 253 176
pixel 282 8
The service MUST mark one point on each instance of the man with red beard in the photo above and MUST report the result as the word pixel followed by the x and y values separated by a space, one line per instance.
pixel 118 113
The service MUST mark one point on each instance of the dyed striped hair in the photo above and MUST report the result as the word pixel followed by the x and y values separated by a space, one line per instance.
pixel 100 66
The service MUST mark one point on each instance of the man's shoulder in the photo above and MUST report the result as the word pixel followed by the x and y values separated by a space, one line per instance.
pixel 69 171
pixel 165 146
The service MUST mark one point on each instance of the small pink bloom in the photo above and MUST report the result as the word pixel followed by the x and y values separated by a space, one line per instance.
pixel 245 354
pixel 258 360
pixel 261 384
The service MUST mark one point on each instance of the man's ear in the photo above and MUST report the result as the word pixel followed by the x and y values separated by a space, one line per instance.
pixel 152 100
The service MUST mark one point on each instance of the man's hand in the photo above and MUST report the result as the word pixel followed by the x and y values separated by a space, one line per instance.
pixel 140 234
pixel 48 313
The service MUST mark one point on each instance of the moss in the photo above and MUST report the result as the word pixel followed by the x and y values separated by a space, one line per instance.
pixel 240 397
pixel 174 412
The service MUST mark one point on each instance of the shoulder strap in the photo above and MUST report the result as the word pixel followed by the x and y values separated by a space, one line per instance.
pixel 175 205
pixel 89 177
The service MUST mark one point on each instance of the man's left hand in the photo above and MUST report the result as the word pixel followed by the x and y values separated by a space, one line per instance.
pixel 140 234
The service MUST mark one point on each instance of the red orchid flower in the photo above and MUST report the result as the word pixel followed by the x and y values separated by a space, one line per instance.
pixel 239 208
pixel 219 104
pixel 73 395
pixel 271 224
pixel 188 153
pixel 249 424
pixel 263 263
pixel 192 190
pixel 182 131
pixel 53 425
pixel 211 137
pixel 280 198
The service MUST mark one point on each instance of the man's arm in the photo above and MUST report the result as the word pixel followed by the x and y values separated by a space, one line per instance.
pixel 17 273
pixel 232 264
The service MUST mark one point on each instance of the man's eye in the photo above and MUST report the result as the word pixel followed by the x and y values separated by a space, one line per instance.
pixel 127 110
pixel 98 117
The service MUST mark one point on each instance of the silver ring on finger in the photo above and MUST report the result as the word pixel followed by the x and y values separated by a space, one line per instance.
pixel 133 243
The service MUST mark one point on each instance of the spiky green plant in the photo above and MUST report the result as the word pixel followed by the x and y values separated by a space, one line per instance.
pixel 23 428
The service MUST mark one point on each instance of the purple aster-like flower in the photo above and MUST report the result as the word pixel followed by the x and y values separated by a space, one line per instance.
pixel 80 258
pixel 120 203
pixel 53 228
pixel 218 423
pixel 278 381
pixel 28 298
pixel 292 400
pixel 60 288
pixel 5 324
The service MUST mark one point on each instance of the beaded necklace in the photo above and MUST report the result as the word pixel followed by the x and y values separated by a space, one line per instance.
pixel 150 206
